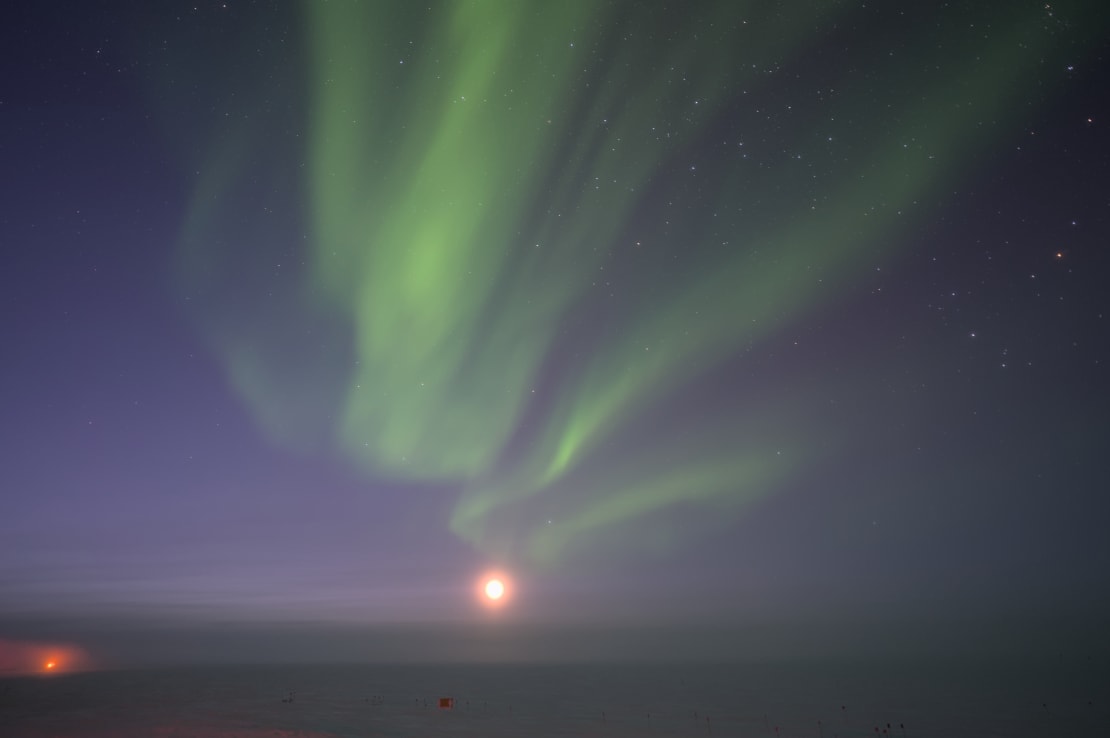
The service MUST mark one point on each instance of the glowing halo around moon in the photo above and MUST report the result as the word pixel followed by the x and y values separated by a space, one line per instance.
pixel 494 589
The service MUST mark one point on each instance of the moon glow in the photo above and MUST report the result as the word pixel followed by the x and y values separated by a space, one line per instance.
pixel 495 589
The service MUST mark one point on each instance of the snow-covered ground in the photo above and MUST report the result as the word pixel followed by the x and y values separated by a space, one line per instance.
pixel 580 700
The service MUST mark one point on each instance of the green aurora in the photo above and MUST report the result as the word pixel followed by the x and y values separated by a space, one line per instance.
pixel 494 244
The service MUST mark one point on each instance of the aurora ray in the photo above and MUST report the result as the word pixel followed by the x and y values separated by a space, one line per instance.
pixel 506 268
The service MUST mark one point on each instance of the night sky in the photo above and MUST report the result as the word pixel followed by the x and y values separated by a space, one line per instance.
pixel 754 327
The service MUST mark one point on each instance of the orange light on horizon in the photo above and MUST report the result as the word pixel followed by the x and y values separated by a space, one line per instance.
pixel 38 657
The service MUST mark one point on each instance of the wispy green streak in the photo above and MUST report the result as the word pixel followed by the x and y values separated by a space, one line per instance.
pixel 474 177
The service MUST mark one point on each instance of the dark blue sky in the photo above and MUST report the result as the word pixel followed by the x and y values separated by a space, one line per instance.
pixel 698 319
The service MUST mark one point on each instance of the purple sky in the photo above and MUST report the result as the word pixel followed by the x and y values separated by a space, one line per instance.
pixel 911 438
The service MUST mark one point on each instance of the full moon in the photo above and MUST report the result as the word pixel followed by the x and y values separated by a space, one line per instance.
pixel 495 589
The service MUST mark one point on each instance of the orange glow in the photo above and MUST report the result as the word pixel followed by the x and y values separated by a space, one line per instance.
pixel 36 657
pixel 494 589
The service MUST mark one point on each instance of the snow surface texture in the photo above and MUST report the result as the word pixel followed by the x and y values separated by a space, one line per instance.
pixel 581 700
